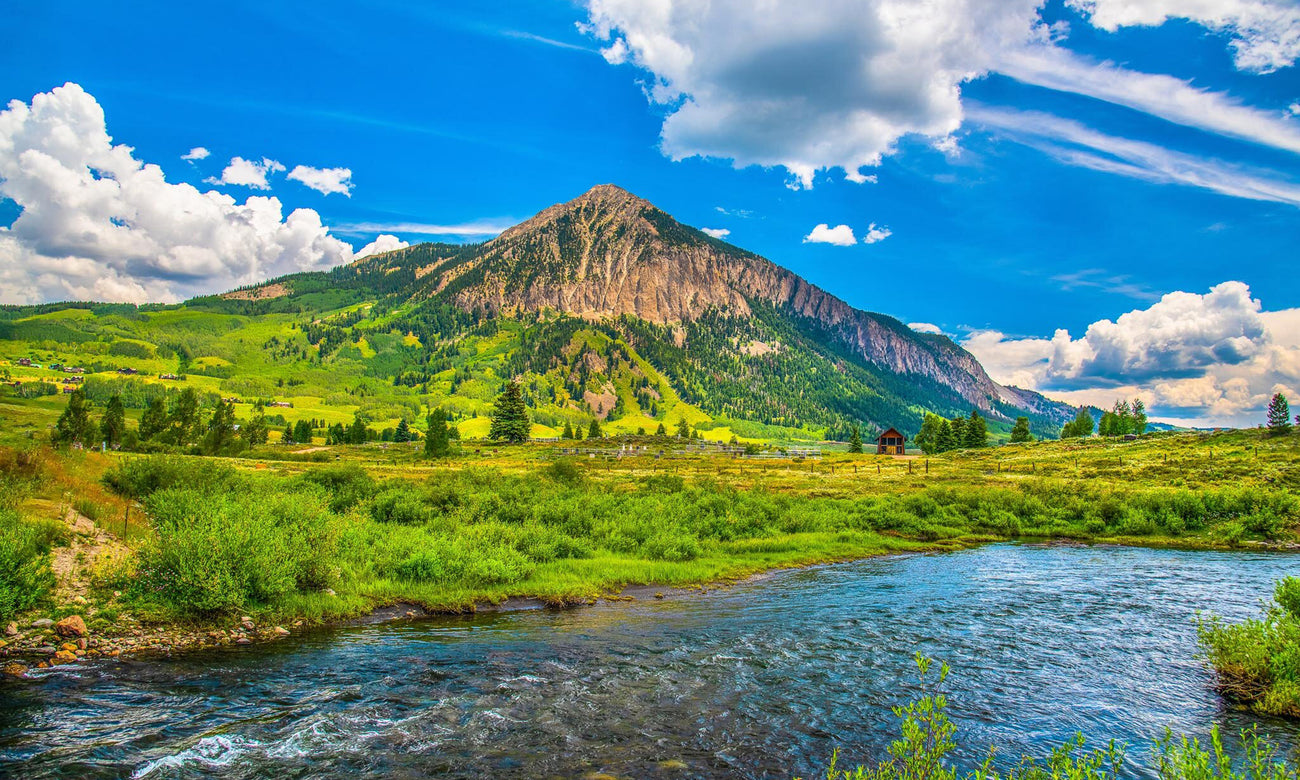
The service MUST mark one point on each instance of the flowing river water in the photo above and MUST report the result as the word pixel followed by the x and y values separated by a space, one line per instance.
pixel 761 680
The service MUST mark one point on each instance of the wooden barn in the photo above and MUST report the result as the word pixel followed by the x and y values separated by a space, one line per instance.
pixel 891 442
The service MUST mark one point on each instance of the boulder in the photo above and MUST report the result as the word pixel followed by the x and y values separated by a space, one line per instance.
pixel 42 623
pixel 11 629
pixel 280 631
pixel 64 657
pixel 14 670
pixel 71 625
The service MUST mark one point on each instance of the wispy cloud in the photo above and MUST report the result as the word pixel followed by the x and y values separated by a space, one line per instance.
pixel 527 36
pixel 1097 278
pixel 1169 98
pixel 475 228
pixel 1075 144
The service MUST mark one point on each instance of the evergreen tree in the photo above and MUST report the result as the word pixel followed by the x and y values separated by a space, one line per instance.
pixel 1279 415
pixel 221 429
pixel 357 432
pixel 568 431
pixel 287 436
pixel 683 429
pixel 1139 417
pixel 1020 432
pixel 302 432
pixel 437 442
pixel 254 431
pixel 74 425
pixel 153 421
pixel 510 415
pixel 977 432
pixel 1080 426
pixel 946 439
pixel 1108 424
pixel 855 441
pixel 661 432
pixel 593 431
pixel 113 426
pixel 958 425
pixel 403 431
pixel 183 424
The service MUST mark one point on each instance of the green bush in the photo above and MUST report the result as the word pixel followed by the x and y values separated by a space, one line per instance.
pixel 141 477
pixel 1258 661
pixel 221 552
pixel 348 485
pixel 25 576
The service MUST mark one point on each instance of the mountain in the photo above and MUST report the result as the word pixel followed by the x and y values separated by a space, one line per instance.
pixel 604 306
pixel 722 316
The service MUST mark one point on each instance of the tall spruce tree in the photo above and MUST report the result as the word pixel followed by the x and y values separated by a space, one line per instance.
pixel 437 441
pixel 1139 417
pixel 855 441
pixel 593 430
pixel 683 428
pixel 403 432
pixel 977 431
pixel 568 431
pixel 183 424
pixel 302 432
pixel 153 421
pixel 1080 426
pixel 958 425
pixel 254 430
pixel 1020 431
pixel 510 415
pixel 661 431
pixel 1279 415
pixel 74 425
pixel 221 429
pixel 287 436
pixel 113 427
pixel 946 439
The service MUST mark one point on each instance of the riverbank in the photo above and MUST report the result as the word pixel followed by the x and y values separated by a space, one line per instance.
pixel 166 553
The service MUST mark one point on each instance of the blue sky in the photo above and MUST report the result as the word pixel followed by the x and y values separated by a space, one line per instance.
pixel 1037 167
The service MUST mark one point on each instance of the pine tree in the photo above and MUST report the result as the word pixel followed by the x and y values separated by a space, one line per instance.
pixel 1080 426
pixel 568 431
pixel 403 431
pixel 153 421
pixel 253 431
pixel 302 432
pixel 1020 432
pixel 683 429
pixel 1279 415
pixel 946 439
pixel 357 432
pixel 593 431
pixel 183 421
pixel 977 432
pixel 221 429
pixel 287 436
pixel 958 425
pixel 661 432
pixel 510 416
pixel 437 442
pixel 113 426
pixel 74 425
pixel 1139 417
pixel 855 441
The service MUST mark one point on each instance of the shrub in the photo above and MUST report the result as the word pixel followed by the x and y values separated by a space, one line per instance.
pixel 221 552
pixel 348 485
pixel 139 478
pixel 1258 661
pixel 25 576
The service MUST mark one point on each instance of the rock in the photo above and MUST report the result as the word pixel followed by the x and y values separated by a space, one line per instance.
pixel 42 623
pixel 67 647
pixel 243 640
pixel 47 650
pixel 71 625
pixel 246 622
pixel 329 592
pixel 3 644
pixel 659 595
pixel 79 600
pixel 64 657
pixel 83 644
pixel 11 629
pixel 280 631
pixel 14 669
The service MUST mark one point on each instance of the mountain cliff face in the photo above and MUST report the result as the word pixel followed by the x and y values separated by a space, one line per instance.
pixel 609 253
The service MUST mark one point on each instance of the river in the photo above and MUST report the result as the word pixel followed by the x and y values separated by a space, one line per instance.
pixel 760 680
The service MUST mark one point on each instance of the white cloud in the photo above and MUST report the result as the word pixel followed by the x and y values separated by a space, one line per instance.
pixel 716 232
pixel 836 84
pixel 1213 357
pixel 97 223
pixel 1167 97
pixel 1293 109
pixel 1136 159
pixel 1265 33
pixel 197 153
pixel 476 228
pixel 247 173
pixel 326 181
pixel 925 327
pixel 382 243
pixel 840 235
pixel 876 234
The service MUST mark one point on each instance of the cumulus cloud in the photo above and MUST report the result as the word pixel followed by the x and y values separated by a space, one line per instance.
pixel 925 327
pixel 1216 356
pixel 1265 33
pixel 876 234
pixel 197 153
pixel 840 235
pixel 97 223
pixel 326 181
pixel 247 173
pixel 716 232
pixel 382 243
pixel 836 84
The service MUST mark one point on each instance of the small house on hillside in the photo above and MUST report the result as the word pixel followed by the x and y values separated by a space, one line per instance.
pixel 891 442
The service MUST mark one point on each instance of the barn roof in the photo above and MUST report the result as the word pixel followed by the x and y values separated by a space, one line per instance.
pixel 893 431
